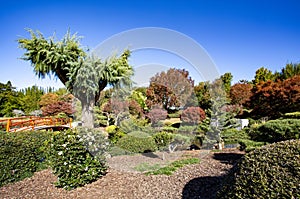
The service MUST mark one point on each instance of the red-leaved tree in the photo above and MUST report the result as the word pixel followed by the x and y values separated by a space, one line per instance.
pixel 273 99
pixel 192 115
pixel 240 93
pixel 157 114
pixel 170 90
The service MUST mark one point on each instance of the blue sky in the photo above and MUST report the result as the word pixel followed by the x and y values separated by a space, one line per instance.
pixel 240 36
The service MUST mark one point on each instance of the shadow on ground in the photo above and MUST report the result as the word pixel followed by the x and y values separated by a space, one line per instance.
pixel 227 158
pixel 207 187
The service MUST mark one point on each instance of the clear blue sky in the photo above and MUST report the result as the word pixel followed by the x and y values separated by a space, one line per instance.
pixel 239 35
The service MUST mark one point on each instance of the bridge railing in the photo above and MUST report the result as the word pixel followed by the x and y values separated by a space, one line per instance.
pixel 30 122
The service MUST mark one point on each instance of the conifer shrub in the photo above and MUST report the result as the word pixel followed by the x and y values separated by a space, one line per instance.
pixel 163 139
pixel 276 130
pixel 272 171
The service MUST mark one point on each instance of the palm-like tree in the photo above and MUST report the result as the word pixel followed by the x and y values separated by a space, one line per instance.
pixel 84 76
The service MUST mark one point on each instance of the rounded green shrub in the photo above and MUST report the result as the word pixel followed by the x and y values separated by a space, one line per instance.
pixel 276 130
pixel 21 154
pixel 137 142
pixel 114 133
pixel 272 171
pixel 163 139
pixel 74 157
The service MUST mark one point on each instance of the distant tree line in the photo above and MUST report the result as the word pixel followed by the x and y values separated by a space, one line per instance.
pixel 33 100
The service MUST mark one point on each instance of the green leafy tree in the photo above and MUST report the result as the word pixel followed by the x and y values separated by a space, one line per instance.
pixel 203 95
pixel 226 79
pixel 31 98
pixel 289 71
pixel 262 75
pixel 84 76
pixel 10 99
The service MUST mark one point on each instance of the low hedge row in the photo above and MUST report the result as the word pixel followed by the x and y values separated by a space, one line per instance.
pixel 272 171
pixel 276 130
pixel 21 154
pixel 137 142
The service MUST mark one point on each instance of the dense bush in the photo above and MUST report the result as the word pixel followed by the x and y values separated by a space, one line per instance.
pixel 137 142
pixel 276 130
pixel 273 171
pixel 21 154
pixel 192 115
pixel 163 139
pixel 76 157
pixel 114 134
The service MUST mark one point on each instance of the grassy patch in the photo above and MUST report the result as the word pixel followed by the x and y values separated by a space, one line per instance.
pixel 146 167
pixel 168 170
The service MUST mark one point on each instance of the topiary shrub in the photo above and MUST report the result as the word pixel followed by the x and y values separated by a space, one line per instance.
pixel 74 157
pixel 276 130
pixel 272 171
pixel 163 139
pixel 137 142
pixel 21 154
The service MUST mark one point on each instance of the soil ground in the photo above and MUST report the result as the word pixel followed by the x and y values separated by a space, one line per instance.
pixel 201 180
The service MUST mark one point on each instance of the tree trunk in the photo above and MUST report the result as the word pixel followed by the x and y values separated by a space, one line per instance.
pixel 87 114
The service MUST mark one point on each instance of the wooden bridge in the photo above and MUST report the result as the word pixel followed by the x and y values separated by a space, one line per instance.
pixel 28 123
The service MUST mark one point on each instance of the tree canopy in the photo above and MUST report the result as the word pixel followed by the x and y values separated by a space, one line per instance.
pixel 171 89
pixel 84 76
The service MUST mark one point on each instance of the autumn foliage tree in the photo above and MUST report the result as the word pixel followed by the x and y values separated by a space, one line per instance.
pixel 240 93
pixel 170 89
pixel 52 104
pixel 273 99
pixel 192 115
pixel 157 114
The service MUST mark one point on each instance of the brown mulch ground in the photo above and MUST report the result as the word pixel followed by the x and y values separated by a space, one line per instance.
pixel 122 181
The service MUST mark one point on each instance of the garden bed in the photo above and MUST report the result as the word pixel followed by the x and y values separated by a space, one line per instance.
pixel 200 180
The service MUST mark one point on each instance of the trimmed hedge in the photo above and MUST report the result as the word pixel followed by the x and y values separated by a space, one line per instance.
pixel 276 130
pixel 272 171
pixel 21 154
pixel 163 139
pixel 137 142
pixel 77 157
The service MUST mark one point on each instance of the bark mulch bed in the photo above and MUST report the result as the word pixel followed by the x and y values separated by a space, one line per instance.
pixel 192 181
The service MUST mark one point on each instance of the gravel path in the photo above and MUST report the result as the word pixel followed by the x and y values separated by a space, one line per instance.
pixel 193 181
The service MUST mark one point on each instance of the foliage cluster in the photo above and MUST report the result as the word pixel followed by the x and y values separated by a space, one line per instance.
pixel 137 142
pixel 77 157
pixel 21 154
pixel 192 115
pixel 163 139
pixel 272 171
pixel 276 130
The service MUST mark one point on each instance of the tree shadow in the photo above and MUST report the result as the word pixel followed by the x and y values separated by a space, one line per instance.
pixel 228 158
pixel 203 187
pixel 150 155
pixel 207 187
